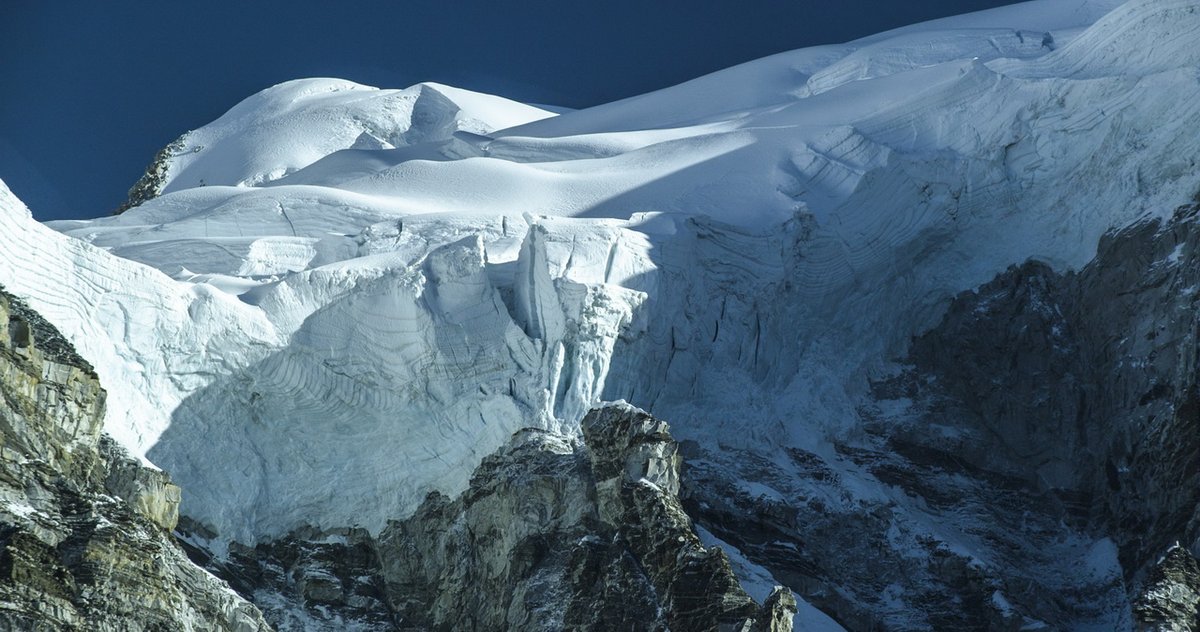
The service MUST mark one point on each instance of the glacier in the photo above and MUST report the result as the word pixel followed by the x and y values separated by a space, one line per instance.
pixel 344 298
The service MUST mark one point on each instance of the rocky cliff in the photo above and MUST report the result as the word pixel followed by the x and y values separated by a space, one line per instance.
pixel 1082 388
pixel 151 184
pixel 85 540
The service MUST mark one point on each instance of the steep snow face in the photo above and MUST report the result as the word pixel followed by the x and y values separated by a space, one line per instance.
pixel 155 340
pixel 737 254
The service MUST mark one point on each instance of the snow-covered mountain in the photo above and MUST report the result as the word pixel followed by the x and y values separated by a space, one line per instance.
pixel 335 300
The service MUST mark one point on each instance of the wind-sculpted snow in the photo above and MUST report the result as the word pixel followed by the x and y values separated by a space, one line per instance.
pixel 287 127
pixel 1011 31
pixel 738 254
pixel 1166 29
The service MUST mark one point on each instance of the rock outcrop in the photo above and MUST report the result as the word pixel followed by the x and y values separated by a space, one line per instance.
pixel 1084 387
pixel 553 534
pixel 151 184
pixel 85 539
pixel 1170 598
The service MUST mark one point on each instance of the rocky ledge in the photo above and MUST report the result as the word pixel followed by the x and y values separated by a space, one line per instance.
pixel 85 531
pixel 151 184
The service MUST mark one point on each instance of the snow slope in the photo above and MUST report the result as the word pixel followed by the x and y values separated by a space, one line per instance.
pixel 287 127
pixel 737 254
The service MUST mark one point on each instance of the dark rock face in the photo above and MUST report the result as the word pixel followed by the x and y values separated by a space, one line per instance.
pixel 1170 599
pixel 551 535
pixel 85 538
pixel 151 184
pixel 1049 430
pixel 1087 384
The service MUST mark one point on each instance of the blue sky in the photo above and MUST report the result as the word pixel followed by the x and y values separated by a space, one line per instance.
pixel 92 89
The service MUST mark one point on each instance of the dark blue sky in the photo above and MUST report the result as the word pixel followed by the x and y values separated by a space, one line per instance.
pixel 91 90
